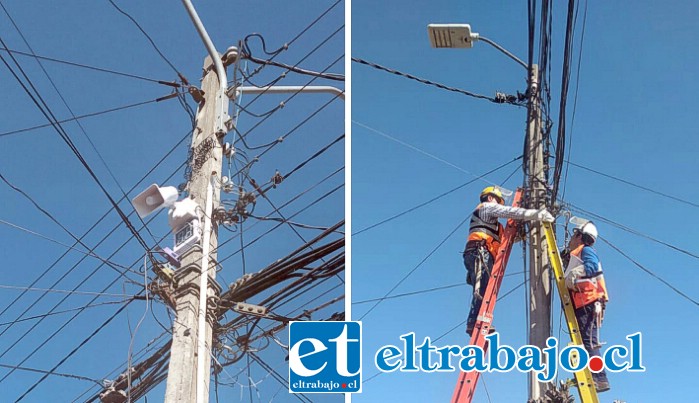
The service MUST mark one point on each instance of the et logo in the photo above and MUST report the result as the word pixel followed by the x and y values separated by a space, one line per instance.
pixel 325 357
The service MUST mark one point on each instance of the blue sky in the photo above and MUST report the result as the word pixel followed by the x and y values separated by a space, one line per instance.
pixel 633 120
pixel 131 142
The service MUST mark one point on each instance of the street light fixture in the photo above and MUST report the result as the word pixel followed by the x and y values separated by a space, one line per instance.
pixel 451 35
pixel 460 36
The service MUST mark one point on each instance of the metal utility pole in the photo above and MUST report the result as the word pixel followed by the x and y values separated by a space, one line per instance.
pixel 189 369
pixel 539 280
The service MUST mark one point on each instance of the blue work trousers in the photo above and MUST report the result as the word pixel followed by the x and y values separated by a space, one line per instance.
pixel 589 323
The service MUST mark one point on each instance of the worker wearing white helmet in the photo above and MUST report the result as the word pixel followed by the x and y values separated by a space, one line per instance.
pixel 485 234
pixel 585 280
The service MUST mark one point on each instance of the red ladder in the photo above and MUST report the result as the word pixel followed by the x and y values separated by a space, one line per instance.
pixel 466 386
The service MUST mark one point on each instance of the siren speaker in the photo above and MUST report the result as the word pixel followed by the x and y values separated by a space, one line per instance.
pixel 154 198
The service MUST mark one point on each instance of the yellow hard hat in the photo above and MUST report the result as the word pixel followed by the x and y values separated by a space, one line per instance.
pixel 494 191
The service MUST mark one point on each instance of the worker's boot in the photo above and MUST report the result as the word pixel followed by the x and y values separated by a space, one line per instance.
pixel 602 385
pixel 469 328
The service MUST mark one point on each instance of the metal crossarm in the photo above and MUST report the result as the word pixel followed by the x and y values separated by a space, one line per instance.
pixel 466 385
pixel 583 379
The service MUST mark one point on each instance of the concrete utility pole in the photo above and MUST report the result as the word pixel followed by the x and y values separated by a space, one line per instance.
pixel 539 280
pixel 184 369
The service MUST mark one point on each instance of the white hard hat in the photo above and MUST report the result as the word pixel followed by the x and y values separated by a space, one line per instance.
pixel 584 226
pixel 589 229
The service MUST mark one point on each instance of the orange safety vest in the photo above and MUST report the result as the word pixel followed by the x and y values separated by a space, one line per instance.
pixel 587 289
pixel 490 232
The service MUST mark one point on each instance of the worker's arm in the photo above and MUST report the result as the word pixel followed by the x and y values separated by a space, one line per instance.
pixel 591 262
pixel 490 210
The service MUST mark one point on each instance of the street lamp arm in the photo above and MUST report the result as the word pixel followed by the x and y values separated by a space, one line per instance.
pixel 500 48
pixel 216 59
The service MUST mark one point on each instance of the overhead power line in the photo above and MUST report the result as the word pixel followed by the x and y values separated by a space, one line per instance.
pixel 631 230
pixel 448 192
pixel 428 82
pixel 419 292
pixel 575 98
pixel 460 324
pixel 102 294
pixel 241 136
pixel 41 371
pixel 655 276
pixel 50 116
pixel 71 353
pixel 85 66
pixel 659 193
pixel 294 39
pixel 565 81
pixel 55 221
pixel 90 230
pixel 148 37
pixel 89 115
pixel 405 277
pixel 421 151
pixel 329 76
pixel 86 253
pixel 62 311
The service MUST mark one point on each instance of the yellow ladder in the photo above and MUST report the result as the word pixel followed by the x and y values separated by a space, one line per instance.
pixel 583 378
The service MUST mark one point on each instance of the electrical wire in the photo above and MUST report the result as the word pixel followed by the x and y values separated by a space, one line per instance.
pixel 422 80
pixel 295 169
pixel 138 326
pixel 318 200
pixel 70 354
pixel 459 325
pixel 326 76
pixel 655 276
pixel 40 371
pixel 46 111
pixel 448 192
pixel 65 103
pixel 575 99
pixel 302 193
pixel 109 263
pixel 85 66
pixel 277 376
pixel 631 230
pixel 303 31
pixel 64 275
pixel 291 223
pixel 101 294
pixel 148 37
pixel 407 294
pixel 241 136
pixel 150 346
pixel 565 81
pixel 88 115
pixel 405 277
pixel 59 329
pixel 64 311
pixel 288 69
pixel 485 387
pixel 647 189
pixel 102 218
pixel 414 148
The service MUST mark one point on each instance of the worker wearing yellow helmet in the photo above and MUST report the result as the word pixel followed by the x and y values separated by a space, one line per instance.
pixel 485 233
pixel 585 281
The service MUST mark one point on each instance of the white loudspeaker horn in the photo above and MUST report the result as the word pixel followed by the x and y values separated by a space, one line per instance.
pixel 154 198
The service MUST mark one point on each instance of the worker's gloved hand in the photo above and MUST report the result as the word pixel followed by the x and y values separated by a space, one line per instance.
pixel 539 215
pixel 544 215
